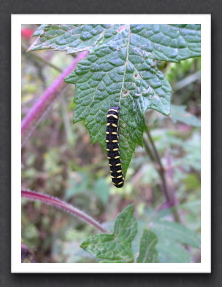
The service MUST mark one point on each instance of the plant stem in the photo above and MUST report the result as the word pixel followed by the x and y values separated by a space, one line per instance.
pixel 34 116
pixel 24 49
pixel 154 156
pixel 37 196
pixel 147 148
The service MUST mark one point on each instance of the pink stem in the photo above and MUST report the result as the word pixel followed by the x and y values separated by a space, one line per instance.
pixel 47 97
pixel 61 204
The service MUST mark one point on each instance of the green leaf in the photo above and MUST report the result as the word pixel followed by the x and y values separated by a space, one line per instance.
pixel 171 43
pixel 175 232
pixel 148 252
pixel 120 71
pixel 178 113
pixel 71 38
pixel 171 252
pixel 115 247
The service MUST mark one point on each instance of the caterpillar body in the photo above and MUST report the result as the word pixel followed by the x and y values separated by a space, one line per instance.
pixel 112 147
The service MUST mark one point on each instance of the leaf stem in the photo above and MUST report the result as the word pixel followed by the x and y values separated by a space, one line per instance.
pixel 37 196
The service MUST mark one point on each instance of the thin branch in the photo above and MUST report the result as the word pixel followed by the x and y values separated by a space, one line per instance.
pixel 159 167
pixel 155 150
pixel 148 150
pixel 40 59
pixel 154 155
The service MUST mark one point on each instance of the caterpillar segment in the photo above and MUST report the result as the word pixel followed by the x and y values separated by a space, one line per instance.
pixel 112 147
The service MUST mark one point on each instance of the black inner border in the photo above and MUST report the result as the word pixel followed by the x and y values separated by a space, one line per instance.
pixel 110 7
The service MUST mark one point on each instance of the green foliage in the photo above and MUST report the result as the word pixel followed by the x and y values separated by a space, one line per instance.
pixel 163 242
pixel 171 238
pixel 175 232
pixel 172 252
pixel 148 253
pixel 120 71
pixel 162 40
pixel 175 70
pixel 178 113
pixel 115 247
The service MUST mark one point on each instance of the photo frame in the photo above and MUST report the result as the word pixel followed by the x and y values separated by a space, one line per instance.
pixel 162 277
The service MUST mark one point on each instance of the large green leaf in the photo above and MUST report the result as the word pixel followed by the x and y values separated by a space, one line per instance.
pixel 172 252
pixel 120 71
pixel 171 43
pixel 115 247
pixel 175 232
pixel 169 245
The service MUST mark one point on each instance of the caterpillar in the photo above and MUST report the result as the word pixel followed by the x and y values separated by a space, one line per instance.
pixel 112 147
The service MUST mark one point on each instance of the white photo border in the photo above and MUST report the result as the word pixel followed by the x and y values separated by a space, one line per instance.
pixel 205 265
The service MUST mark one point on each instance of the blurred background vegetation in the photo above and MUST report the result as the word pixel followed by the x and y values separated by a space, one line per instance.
pixel 59 160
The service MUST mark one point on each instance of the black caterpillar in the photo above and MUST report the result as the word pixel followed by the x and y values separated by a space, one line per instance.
pixel 112 147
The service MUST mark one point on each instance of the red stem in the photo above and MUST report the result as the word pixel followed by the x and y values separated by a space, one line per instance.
pixel 63 205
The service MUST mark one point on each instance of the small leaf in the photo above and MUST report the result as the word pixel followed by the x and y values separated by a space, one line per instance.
pixel 179 114
pixel 148 252
pixel 176 232
pixel 115 247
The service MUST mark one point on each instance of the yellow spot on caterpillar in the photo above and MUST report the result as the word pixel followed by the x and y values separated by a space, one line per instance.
pixel 112 176
pixel 112 110
pixel 118 171
pixel 117 157
pixel 113 183
pixel 114 125
pixel 111 115
pixel 114 141
pixel 108 124
pixel 120 182
pixel 119 176
pixel 118 164
pixel 108 149
pixel 107 141
pixel 107 133
pixel 108 157
pixel 111 171
pixel 115 149
pixel 110 165
pixel 114 133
